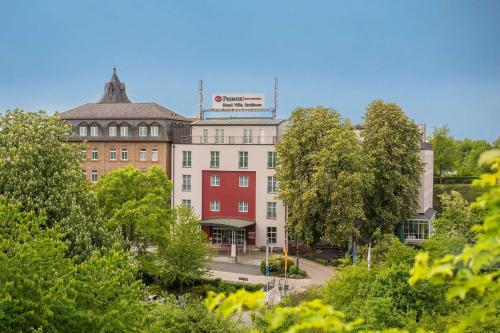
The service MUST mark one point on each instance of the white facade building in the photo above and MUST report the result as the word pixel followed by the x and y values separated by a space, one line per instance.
pixel 225 171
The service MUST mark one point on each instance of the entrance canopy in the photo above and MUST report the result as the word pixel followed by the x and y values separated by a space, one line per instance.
pixel 234 223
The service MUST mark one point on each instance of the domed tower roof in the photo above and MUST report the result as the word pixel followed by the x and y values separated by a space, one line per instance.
pixel 114 91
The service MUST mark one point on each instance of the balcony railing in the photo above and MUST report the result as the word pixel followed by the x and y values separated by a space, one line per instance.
pixel 232 140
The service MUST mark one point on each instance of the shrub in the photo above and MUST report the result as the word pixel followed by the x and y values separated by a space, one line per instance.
pixel 321 261
pixel 276 264
pixel 469 192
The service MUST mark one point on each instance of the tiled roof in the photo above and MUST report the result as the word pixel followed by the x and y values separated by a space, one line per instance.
pixel 239 121
pixel 121 111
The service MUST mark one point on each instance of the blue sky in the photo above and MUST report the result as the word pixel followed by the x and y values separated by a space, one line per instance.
pixel 440 60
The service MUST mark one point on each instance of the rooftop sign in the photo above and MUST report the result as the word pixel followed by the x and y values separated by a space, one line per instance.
pixel 247 102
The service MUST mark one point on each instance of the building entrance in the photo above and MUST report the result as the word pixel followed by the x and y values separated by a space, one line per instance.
pixel 221 235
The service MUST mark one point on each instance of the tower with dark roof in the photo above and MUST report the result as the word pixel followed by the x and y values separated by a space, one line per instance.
pixel 114 91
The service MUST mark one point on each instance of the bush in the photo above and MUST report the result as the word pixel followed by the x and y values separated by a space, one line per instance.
pixel 321 261
pixel 276 264
pixel 469 192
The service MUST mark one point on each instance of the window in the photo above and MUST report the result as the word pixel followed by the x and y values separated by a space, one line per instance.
pixel 243 207
pixel 123 130
pixel 214 159
pixel 112 154
pixel 155 130
pixel 94 130
pixel 271 159
pixel 112 130
pixel 124 154
pixel 93 176
pixel 154 155
pixel 186 159
pixel 215 206
pixel 186 203
pixel 143 130
pixel 247 136
pixel 186 183
pixel 219 136
pixel 271 210
pixel 271 235
pixel 94 155
pixel 142 154
pixel 416 230
pixel 243 159
pixel 84 153
pixel 271 184
pixel 214 180
pixel 83 130
pixel 205 135
pixel 243 181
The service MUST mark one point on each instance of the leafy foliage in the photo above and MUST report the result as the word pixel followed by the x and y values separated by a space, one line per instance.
pixel 322 175
pixel 181 316
pixel 445 151
pixel 392 142
pixel 41 288
pixel 473 272
pixel 184 255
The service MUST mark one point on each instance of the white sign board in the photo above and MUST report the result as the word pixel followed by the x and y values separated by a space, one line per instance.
pixel 238 102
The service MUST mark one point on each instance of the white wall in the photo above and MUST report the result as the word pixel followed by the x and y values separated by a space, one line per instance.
pixel 229 159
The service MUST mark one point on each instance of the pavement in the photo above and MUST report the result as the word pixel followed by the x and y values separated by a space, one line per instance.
pixel 222 268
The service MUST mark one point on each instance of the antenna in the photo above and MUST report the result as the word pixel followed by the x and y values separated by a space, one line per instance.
pixel 200 89
pixel 276 95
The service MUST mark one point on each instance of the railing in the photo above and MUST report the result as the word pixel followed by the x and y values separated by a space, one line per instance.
pixel 235 140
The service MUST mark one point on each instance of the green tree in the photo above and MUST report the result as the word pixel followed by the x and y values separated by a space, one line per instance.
pixel 445 151
pixel 184 256
pixel 42 289
pixel 470 152
pixel 138 202
pixel 473 272
pixel 391 141
pixel 41 171
pixel 322 174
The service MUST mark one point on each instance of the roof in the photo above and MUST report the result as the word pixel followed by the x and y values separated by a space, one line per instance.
pixel 228 222
pixel 425 146
pixel 114 91
pixel 429 215
pixel 239 121
pixel 95 111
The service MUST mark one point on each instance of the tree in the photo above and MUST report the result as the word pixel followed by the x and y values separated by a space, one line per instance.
pixel 445 151
pixel 470 151
pixel 391 141
pixel 185 254
pixel 138 202
pixel 42 289
pixel 322 174
pixel 41 171
pixel 473 272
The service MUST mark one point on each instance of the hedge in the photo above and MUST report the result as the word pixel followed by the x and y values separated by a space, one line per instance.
pixel 455 179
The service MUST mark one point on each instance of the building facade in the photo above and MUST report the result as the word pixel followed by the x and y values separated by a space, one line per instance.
pixel 116 132
pixel 225 171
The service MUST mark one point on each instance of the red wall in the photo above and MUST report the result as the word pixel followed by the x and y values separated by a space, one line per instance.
pixel 229 194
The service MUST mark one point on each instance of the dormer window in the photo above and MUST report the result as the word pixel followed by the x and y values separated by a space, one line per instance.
pixel 143 130
pixel 124 130
pixel 112 130
pixel 155 130
pixel 94 130
pixel 82 130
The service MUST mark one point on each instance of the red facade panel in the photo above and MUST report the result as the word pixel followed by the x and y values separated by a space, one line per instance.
pixel 229 194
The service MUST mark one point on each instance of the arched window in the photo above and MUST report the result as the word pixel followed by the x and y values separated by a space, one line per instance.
pixel 82 129
pixel 154 129
pixel 94 129
pixel 124 129
pixel 112 129
pixel 143 129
